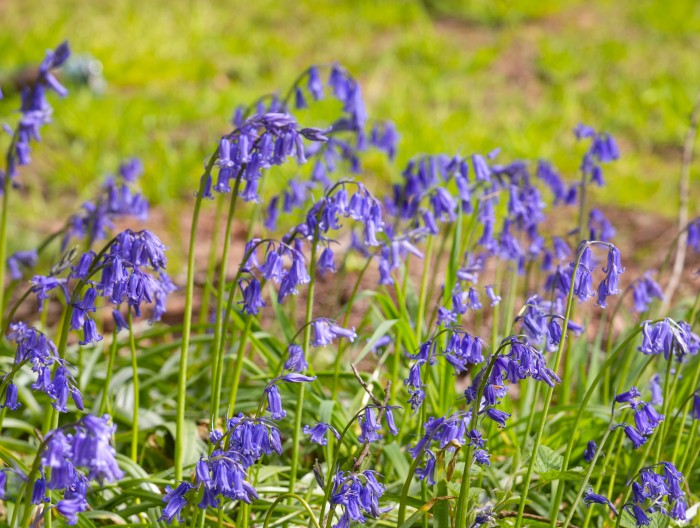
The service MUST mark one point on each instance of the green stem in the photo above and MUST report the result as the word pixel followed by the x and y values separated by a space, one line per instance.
pixel 217 366
pixel 105 402
pixel 3 242
pixel 612 358
pixel 135 380
pixel 549 393
pixel 238 367
pixel 301 501
pixel 346 321
pixel 302 386
pixel 586 478
pixel 186 326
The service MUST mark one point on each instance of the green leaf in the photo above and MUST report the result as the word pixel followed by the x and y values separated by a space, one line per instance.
pixel 423 510
pixel 547 463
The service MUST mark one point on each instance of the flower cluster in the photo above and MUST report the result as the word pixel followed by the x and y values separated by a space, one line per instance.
pixel 35 348
pixel 224 473
pixel 36 110
pixel 116 200
pixel 358 495
pixel 646 418
pixel 654 485
pixel 669 338
pixel 73 460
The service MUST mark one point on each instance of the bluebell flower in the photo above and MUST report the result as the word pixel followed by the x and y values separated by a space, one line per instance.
pixel 645 289
pixel 296 360
pixel 498 416
pixel 385 137
pixel 602 149
pixel 318 432
pixel 631 396
pixel 11 401
pixel 274 402
pixel 695 410
pixel 21 259
pixel 325 261
pixel 314 83
pixel 175 502
pixel 35 108
pixel 583 278
pixel 589 453
pixel 593 498
pixel 369 427
pixel 634 436
pixel 41 286
pixel 481 457
pixel 324 332
pixel 427 472
pixel 611 283
pixel 646 419
pixel 639 515
pixel 39 494
pixel 600 227
pixel 495 299
pixel 252 296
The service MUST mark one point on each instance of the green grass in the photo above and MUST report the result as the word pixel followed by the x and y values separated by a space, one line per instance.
pixel 518 75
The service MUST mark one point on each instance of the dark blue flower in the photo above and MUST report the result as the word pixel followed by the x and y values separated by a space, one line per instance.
pixel 589 453
pixel 498 416
pixel 635 436
pixel 593 498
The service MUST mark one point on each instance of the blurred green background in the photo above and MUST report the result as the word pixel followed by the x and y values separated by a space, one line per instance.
pixel 454 76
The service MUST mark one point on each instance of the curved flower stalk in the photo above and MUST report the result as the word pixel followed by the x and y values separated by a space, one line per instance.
pixel 35 113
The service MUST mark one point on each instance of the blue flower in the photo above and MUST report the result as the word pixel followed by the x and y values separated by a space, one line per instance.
pixel 318 432
pixel 176 501
pixel 498 416
pixel 274 402
pixel 252 296
pixel 645 289
pixel 25 259
pixel 296 360
pixel 593 498
pixel 589 453
pixel 427 472
pixel 634 436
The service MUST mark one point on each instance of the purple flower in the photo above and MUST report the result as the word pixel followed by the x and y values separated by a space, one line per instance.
pixel 646 419
pixel 11 401
pixel 695 411
pixel 369 427
pixel 325 261
pixel 25 259
pixel 318 432
pixel 176 501
pixel 498 416
pixel 495 299
pixel 589 453
pixel 324 332
pixel 593 498
pixel 635 436
pixel 296 360
pixel 631 396
pixel 41 286
pixel 274 402
pixel 481 457
pixel 645 289
pixel 427 472
pixel 252 296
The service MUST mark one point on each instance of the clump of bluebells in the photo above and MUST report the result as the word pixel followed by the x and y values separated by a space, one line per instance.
pixel 429 351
